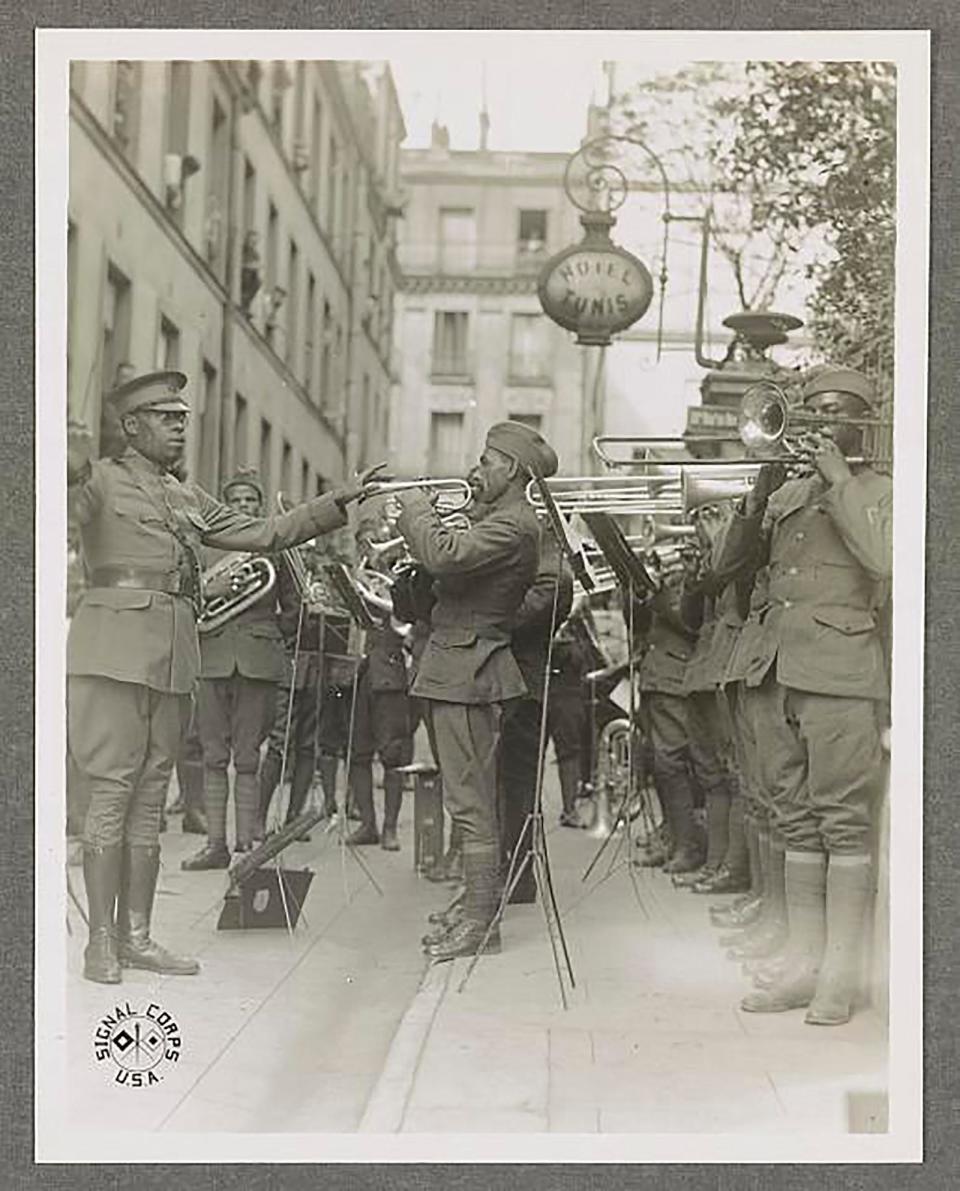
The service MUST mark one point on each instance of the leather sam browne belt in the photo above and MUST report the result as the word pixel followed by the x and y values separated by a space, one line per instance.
pixel 171 582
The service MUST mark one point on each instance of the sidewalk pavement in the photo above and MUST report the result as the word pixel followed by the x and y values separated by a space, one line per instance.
pixel 653 1040
pixel 343 1027
pixel 280 1033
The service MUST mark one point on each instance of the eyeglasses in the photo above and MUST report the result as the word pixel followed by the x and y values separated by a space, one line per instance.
pixel 168 417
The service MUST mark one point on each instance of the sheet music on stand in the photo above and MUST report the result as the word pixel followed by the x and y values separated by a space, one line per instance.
pixel 568 540
pixel 631 571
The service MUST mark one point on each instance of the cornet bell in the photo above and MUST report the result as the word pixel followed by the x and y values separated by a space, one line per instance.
pixel 763 416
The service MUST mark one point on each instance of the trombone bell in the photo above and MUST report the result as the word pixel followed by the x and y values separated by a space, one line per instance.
pixel 712 486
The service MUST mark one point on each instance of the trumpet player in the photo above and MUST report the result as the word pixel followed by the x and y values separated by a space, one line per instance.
pixel 665 707
pixel 467 671
pixel 823 687
pixel 711 608
pixel 241 663
pixel 133 657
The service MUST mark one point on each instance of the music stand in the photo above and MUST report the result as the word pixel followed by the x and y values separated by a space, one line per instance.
pixel 633 575
pixel 333 593
pixel 533 831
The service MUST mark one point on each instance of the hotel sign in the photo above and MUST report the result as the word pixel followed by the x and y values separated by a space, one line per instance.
pixel 595 288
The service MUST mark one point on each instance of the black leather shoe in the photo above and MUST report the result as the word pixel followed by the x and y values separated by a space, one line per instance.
pixel 464 939
pixel 194 822
pixel 723 881
pixel 362 836
pixel 212 856
pixel 742 912
pixel 683 861
pixel 689 880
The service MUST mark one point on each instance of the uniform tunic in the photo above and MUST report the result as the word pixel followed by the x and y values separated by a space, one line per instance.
pixel 467 669
pixel 133 657
pixel 241 664
pixel 820 661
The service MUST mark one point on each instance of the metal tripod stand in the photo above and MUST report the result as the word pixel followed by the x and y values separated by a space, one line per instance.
pixel 535 855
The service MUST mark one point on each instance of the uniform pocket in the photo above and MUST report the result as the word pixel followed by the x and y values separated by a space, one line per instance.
pixel 453 638
pixel 120 599
pixel 849 621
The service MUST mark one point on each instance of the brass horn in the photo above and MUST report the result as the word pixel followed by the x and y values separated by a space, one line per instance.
pixel 767 419
pixel 611 494
pixel 453 495
pixel 715 485
pixel 249 578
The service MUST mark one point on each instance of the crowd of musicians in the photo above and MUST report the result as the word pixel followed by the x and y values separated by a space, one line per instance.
pixel 757 657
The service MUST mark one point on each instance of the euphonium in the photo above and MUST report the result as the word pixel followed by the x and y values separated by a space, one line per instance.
pixel 613 774
pixel 250 577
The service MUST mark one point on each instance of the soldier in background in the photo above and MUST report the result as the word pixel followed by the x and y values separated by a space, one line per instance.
pixel 241 663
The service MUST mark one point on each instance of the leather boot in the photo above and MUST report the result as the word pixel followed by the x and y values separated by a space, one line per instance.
pixel 269 779
pixel 481 902
pixel 737 858
pixel 568 771
pixel 450 867
pixel 300 781
pixel 190 781
pixel 101 875
pixel 768 935
pixel 216 792
pixel 138 883
pixel 732 915
pixel 246 802
pixel 806 874
pixel 361 790
pixel 677 798
pixel 327 766
pixel 849 889
pixel 443 921
pixel 215 853
pixel 392 801
pixel 718 826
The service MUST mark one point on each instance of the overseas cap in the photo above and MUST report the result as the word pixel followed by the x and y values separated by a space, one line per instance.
pixel 527 446
pixel 247 476
pixel 154 390
pixel 840 380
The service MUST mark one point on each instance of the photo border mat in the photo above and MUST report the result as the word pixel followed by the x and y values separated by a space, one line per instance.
pixel 17 878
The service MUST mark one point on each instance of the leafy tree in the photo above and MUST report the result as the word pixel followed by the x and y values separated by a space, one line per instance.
pixel 815 148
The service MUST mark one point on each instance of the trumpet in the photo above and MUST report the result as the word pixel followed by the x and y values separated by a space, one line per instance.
pixel 452 496
pixel 249 576
pixel 377 549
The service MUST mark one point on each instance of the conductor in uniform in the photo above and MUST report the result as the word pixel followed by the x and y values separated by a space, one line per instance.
pixel 822 687
pixel 467 671
pixel 132 653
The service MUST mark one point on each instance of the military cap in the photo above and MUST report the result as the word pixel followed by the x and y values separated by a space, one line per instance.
pixel 153 390
pixel 248 476
pixel 839 380
pixel 526 445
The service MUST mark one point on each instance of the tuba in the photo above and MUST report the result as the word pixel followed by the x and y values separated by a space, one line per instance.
pixel 250 577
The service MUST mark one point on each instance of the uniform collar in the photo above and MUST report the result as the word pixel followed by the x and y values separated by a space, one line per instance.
pixel 138 462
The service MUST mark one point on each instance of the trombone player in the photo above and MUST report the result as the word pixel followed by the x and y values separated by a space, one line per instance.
pixel 132 653
pixel 822 687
